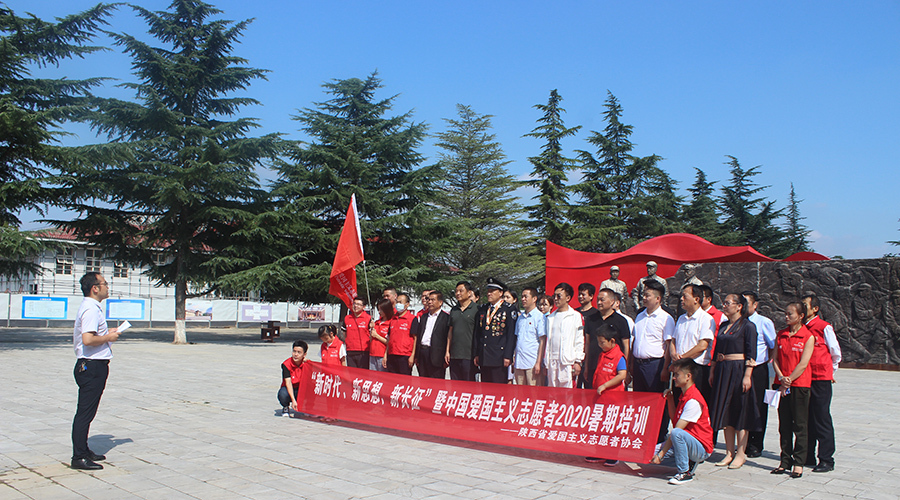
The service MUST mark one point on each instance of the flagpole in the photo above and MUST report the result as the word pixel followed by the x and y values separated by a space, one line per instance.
pixel 366 276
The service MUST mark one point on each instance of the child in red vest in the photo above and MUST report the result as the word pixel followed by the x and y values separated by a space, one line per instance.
pixel 692 437
pixel 292 373
pixel 333 350
pixel 611 368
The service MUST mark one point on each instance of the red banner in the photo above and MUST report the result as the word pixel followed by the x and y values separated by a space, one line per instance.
pixel 617 425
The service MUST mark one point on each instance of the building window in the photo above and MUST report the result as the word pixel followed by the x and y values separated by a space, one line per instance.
pixel 92 260
pixel 65 260
pixel 120 270
pixel 160 259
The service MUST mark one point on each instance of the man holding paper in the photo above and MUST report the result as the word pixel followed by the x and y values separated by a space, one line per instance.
pixel 92 341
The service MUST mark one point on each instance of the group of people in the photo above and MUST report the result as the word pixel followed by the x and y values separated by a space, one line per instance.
pixel 711 364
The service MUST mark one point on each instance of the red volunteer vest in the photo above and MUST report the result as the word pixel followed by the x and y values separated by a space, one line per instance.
pixel 358 331
pixel 790 350
pixel 331 354
pixel 606 369
pixel 400 342
pixel 820 365
pixel 296 371
pixel 701 429
pixel 376 348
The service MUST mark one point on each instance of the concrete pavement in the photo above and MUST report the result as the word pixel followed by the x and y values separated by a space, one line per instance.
pixel 199 422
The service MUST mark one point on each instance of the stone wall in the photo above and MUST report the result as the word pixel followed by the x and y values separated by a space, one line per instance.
pixel 860 298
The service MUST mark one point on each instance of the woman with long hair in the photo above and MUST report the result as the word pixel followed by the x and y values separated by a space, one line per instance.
pixel 733 404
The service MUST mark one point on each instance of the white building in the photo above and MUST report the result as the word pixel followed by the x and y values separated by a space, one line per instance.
pixel 66 260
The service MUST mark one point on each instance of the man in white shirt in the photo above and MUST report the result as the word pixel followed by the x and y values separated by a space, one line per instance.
pixel 694 331
pixel 765 345
pixel 565 340
pixel 648 363
pixel 92 339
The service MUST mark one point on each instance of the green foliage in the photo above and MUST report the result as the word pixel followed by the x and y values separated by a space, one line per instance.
pixel 354 148
pixel 796 233
pixel 549 175
pixel 626 198
pixel 750 220
pixel 17 252
pixel 701 213
pixel 32 110
pixel 476 206
pixel 178 178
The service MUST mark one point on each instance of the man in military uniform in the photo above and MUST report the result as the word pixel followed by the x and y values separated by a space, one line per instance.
pixel 614 283
pixel 495 334
pixel 638 292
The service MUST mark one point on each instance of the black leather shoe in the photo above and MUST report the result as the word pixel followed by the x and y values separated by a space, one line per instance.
pixel 823 468
pixel 95 457
pixel 85 464
pixel 754 453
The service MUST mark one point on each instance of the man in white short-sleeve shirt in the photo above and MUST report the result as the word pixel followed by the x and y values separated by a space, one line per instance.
pixel 92 340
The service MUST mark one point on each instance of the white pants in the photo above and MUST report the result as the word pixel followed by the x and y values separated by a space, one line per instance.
pixel 559 375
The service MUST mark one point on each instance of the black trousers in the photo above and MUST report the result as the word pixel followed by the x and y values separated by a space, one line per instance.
pixel 495 374
pixel 760 380
pixel 821 427
pixel 358 359
pixel 399 363
pixel 645 378
pixel 90 375
pixel 793 414
pixel 462 369
pixel 426 369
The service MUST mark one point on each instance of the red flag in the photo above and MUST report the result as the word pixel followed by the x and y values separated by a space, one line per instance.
pixel 349 254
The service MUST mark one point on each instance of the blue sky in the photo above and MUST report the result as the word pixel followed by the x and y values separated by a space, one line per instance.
pixel 806 90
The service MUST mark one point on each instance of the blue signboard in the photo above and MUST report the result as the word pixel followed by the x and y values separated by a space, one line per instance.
pixel 125 309
pixel 45 307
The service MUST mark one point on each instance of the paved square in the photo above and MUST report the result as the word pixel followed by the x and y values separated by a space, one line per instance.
pixel 199 422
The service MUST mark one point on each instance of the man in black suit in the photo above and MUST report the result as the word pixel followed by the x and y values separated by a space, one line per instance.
pixel 430 330
pixel 495 334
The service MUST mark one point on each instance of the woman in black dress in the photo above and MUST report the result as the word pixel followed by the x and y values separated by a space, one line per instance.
pixel 733 406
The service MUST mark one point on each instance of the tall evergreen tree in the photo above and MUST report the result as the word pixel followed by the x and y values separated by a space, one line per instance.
pixel 487 236
pixel 354 147
pixel 549 175
pixel 748 219
pixel 701 213
pixel 183 193
pixel 626 198
pixel 796 233
pixel 32 110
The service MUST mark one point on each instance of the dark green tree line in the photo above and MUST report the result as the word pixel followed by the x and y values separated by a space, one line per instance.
pixel 178 185
pixel 33 112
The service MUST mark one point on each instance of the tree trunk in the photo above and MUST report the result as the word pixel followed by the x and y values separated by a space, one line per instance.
pixel 180 299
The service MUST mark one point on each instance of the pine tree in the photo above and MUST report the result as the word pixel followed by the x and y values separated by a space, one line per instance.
pixel 701 214
pixel 796 233
pixel 32 110
pixel 549 175
pixel 183 183
pixel 750 220
pixel 476 205
pixel 626 199
pixel 354 147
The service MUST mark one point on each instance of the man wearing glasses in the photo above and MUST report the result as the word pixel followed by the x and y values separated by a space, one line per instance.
pixel 92 341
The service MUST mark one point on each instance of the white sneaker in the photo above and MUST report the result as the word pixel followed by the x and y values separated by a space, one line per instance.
pixel 285 411
pixel 681 478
